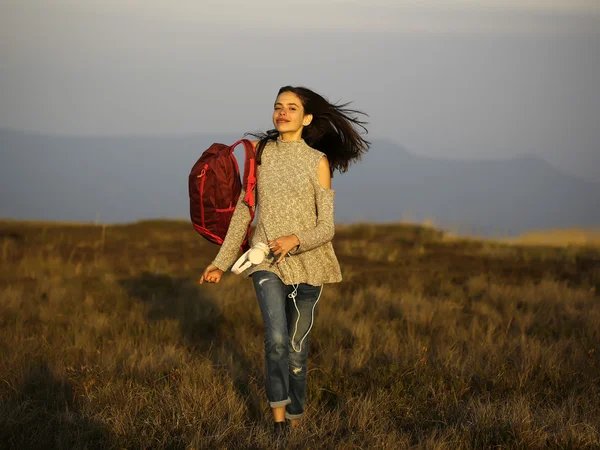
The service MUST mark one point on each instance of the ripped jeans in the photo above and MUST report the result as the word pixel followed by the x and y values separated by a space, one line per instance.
pixel 288 321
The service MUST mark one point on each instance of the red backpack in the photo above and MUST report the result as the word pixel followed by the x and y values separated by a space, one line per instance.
pixel 215 186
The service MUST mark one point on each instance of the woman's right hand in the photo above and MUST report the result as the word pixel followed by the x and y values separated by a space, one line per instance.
pixel 212 274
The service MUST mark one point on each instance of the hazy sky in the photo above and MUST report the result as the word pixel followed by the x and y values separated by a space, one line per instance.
pixel 458 79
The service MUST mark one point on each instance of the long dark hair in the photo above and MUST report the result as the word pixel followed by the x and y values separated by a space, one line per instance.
pixel 333 130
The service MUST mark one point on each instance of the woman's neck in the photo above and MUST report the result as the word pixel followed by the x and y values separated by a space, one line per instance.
pixel 290 136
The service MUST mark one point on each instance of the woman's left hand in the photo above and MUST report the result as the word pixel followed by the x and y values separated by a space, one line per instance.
pixel 282 245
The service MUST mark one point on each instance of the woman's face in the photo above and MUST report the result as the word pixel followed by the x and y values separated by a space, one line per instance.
pixel 288 115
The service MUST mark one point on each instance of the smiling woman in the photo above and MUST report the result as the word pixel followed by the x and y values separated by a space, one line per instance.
pixel 295 162
pixel 332 129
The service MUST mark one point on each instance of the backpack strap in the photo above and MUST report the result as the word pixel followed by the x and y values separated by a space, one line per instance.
pixel 249 179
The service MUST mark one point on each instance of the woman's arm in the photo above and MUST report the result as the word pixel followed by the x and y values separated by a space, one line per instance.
pixel 236 232
pixel 324 231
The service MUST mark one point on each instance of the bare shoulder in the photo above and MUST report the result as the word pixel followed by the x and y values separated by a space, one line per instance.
pixel 321 157
pixel 323 162
pixel 323 169
pixel 324 172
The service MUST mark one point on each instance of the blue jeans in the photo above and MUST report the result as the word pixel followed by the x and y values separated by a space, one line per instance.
pixel 288 315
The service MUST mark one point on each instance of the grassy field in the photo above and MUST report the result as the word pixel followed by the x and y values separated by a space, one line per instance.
pixel 108 341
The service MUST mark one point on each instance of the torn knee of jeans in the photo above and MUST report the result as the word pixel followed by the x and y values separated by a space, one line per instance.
pixel 295 370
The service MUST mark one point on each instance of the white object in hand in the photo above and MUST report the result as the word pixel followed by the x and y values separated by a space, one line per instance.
pixel 254 256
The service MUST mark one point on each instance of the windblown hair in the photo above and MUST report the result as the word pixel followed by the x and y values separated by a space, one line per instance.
pixel 333 130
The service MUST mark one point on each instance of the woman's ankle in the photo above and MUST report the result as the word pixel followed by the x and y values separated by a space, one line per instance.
pixel 279 414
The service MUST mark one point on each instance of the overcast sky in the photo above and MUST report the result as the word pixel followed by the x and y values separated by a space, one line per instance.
pixel 456 79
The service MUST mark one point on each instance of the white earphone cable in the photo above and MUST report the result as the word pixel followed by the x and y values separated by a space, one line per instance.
pixel 293 296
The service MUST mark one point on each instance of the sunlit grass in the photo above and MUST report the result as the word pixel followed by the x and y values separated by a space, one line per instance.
pixel 107 341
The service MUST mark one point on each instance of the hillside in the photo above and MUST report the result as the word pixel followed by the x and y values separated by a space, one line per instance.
pixel 108 341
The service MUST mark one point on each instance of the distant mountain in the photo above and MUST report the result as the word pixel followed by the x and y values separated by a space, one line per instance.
pixel 485 196
pixel 128 178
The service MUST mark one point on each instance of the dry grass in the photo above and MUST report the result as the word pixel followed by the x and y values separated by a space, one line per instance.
pixel 560 237
pixel 107 341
